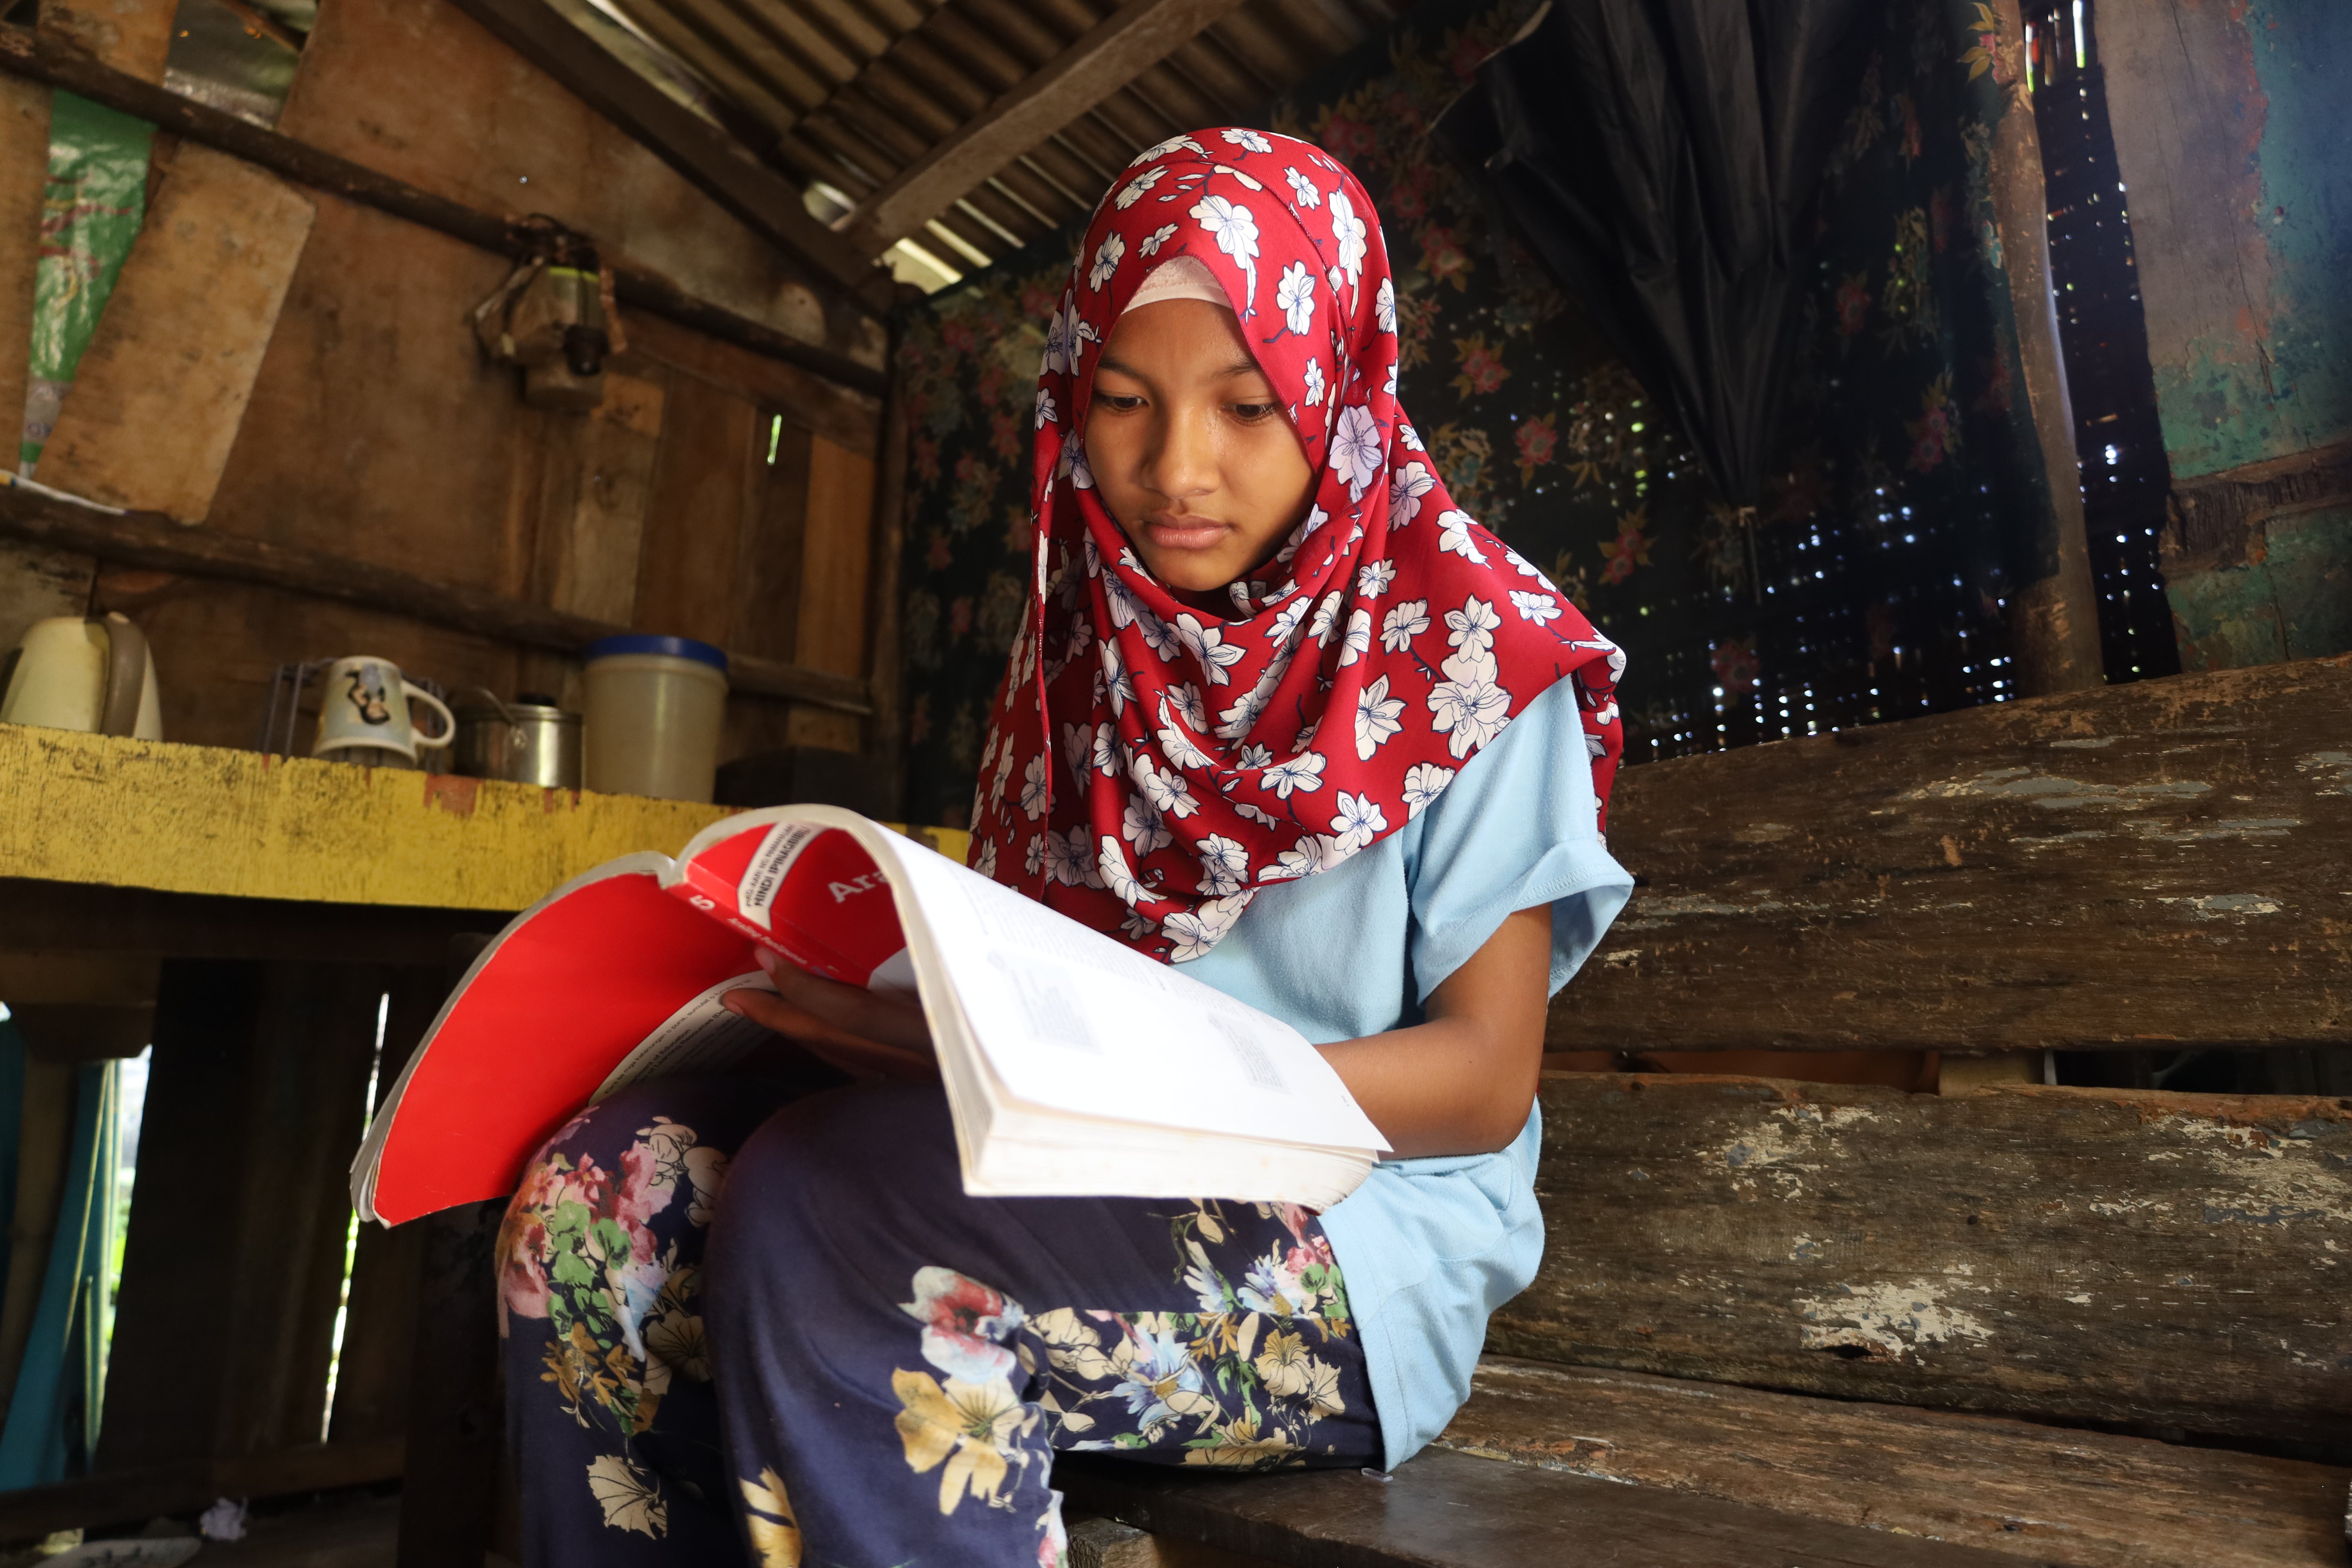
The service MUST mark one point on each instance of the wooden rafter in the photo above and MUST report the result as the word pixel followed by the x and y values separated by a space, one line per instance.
pixel 1110 55
pixel 695 147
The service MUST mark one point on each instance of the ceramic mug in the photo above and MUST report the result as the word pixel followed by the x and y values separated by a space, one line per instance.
pixel 365 703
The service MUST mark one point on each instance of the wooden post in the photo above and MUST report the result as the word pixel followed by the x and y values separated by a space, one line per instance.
pixel 886 676
pixel 457 1429
pixel 457 1423
pixel 2055 617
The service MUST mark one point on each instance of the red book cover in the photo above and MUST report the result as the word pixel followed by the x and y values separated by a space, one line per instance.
pixel 633 955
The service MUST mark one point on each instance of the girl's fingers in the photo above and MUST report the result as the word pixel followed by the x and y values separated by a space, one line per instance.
pixel 893 1020
pixel 853 1053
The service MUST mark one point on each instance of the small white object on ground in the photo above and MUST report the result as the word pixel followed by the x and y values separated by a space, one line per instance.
pixel 224 1520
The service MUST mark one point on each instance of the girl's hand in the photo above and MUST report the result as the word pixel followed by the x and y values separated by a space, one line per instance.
pixel 865 1035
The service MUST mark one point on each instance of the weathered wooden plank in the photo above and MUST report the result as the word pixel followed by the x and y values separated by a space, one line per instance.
pixel 700 513
pixel 2141 866
pixel 2089 1499
pixel 1449 1511
pixel 835 562
pixel 588 553
pixel 163 389
pixel 2061 1253
pixel 812 401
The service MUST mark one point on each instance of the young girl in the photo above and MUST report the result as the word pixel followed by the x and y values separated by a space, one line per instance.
pixel 1255 723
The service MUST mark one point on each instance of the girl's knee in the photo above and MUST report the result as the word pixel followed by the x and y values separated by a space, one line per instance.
pixel 833 1146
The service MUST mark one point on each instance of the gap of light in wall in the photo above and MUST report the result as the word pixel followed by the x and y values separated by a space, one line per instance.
pixel 352 1230
pixel 2082 54
pixel 775 439
pixel 957 243
pixel 912 263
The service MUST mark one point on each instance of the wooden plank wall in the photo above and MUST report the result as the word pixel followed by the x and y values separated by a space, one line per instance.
pixel 2160 1260
pixel 344 406
pixel 2147 866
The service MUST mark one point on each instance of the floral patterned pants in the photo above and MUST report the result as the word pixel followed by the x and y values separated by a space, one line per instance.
pixel 843 1361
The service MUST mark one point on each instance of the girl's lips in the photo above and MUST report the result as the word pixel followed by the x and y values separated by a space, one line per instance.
pixel 1186 533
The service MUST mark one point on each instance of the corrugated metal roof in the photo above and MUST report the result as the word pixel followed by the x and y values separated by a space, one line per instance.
pixel 841 95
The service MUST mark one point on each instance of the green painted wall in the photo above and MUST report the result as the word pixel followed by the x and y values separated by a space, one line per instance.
pixel 2290 598
pixel 2232 132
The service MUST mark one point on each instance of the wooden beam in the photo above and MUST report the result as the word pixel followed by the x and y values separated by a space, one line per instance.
pixel 1465 1513
pixel 1112 53
pixel 43 919
pixel 701 152
pixel 2151 866
pixel 2088 1257
pixel 155 542
pixel 26 54
pixel 2006 1485
pixel 134 1496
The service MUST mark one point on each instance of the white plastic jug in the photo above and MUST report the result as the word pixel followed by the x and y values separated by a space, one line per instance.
pixel 93 676
pixel 655 706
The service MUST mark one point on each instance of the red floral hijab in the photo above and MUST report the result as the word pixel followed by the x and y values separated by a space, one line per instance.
pixel 1150 766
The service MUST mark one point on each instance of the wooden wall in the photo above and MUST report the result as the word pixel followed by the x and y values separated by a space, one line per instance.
pixel 283 365
pixel 2230 139
pixel 280 364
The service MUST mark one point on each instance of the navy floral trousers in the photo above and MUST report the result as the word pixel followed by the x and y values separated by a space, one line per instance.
pixel 741 1332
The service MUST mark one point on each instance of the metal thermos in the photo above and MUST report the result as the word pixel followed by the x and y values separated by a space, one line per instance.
pixel 528 741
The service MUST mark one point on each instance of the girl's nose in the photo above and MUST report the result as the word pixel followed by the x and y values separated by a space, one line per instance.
pixel 1186 465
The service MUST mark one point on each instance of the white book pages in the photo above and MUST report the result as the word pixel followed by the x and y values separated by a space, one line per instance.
pixel 1068 1020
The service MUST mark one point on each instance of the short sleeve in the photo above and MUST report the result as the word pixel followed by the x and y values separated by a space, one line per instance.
pixel 1519 826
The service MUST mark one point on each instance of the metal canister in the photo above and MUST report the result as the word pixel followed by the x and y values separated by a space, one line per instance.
pixel 528 740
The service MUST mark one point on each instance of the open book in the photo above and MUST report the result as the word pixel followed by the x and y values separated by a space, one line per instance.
pixel 1073 1065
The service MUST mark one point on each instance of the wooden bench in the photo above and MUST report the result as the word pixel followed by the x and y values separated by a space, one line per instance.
pixel 1783 1323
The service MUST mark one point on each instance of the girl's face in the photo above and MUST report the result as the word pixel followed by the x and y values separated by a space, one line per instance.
pixel 1191 449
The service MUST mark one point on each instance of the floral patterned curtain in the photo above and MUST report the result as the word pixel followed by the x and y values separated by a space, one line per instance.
pixel 1871 586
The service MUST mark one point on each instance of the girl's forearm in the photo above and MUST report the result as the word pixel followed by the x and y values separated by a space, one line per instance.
pixel 1446 1087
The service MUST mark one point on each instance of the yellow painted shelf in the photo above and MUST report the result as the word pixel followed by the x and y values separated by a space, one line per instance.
pixel 206 819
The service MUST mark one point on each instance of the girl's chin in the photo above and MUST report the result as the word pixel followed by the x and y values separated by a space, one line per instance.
pixel 1194 572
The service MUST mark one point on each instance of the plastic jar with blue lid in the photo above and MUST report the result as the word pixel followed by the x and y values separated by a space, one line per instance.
pixel 656 706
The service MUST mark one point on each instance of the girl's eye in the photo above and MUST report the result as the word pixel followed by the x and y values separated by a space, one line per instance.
pixel 1251 413
pixel 1124 402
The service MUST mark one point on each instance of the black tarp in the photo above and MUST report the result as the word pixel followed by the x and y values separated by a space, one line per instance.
pixel 1662 158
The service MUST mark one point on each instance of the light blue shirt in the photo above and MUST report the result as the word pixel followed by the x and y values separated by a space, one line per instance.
pixel 1430 1248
